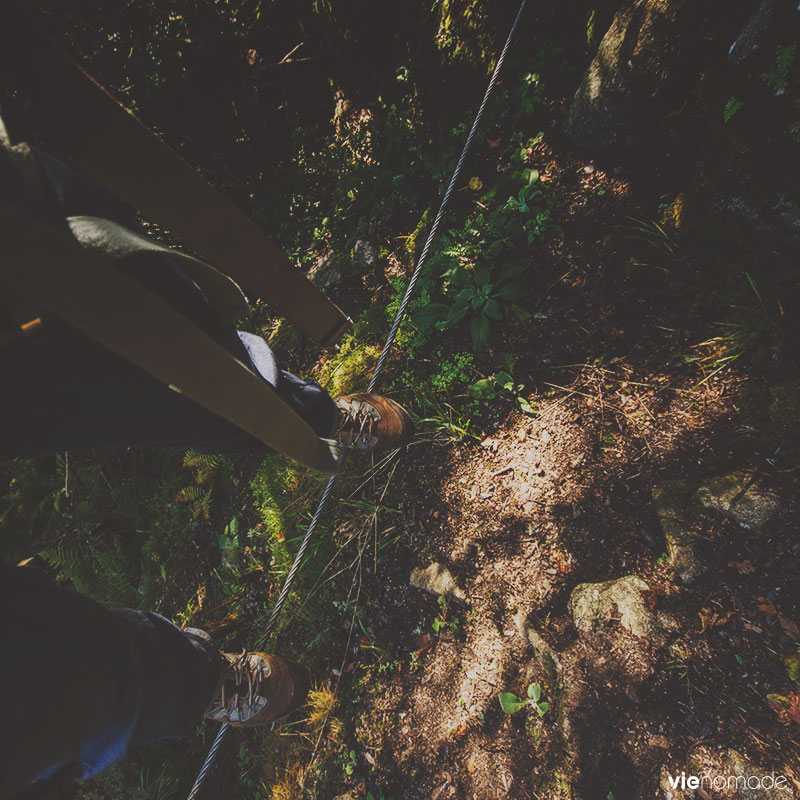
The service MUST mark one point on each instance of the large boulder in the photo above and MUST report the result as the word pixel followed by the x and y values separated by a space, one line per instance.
pixel 324 272
pixel 365 257
pixel 594 605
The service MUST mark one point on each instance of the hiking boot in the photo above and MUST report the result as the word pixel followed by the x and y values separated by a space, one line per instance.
pixel 258 688
pixel 369 422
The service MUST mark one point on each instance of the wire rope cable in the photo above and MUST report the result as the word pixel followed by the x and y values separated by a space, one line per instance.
pixel 401 311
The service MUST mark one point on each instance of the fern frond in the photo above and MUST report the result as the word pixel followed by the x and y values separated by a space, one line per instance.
pixel 198 499
pixel 205 465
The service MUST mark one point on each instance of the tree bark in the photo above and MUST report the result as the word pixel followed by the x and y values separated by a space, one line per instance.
pixel 646 65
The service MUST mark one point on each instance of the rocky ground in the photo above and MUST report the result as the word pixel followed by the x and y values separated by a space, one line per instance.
pixel 654 626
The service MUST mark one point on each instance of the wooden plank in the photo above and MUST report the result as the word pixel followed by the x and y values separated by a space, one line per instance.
pixel 110 144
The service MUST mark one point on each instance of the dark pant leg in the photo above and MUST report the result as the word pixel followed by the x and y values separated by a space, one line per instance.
pixel 311 402
pixel 80 683
pixel 181 671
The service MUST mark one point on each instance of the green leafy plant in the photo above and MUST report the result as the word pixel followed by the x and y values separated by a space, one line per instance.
pixel 510 703
pixel 453 371
pixel 530 93
pixel 535 218
pixel 323 231
pixel 441 622
pixel 487 389
pixel 521 201
pixel 777 76
pixel 731 107
pixel 228 541
pixel 479 298
pixel 350 763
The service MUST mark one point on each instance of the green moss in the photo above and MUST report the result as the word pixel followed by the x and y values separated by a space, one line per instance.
pixel 283 337
pixel 792 663
pixel 273 486
pixel 412 243
pixel 349 370
pixel 370 325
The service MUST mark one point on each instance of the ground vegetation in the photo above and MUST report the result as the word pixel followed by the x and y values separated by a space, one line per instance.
pixel 601 360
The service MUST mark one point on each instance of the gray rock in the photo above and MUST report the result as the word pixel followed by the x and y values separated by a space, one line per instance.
pixel 325 273
pixel 739 496
pixel 546 658
pixel 674 505
pixel 365 257
pixel 593 604
pixel 620 635
pixel 437 579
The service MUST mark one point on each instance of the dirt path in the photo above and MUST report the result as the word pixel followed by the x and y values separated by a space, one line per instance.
pixel 541 505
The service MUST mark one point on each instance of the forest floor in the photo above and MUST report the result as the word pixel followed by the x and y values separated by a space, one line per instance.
pixel 644 353
pixel 627 396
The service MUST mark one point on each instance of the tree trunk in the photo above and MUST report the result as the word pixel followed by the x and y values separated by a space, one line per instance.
pixel 646 65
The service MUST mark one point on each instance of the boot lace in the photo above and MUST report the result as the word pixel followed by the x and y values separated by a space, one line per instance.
pixel 247 676
pixel 356 424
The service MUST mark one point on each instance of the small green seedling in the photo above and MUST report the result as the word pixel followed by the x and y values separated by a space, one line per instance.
pixel 510 703
pixel 441 622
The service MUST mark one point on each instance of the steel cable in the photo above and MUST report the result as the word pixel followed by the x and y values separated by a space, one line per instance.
pixel 298 560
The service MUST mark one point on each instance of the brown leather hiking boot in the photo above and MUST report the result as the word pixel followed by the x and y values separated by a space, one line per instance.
pixel 258 688
pixel 369 422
